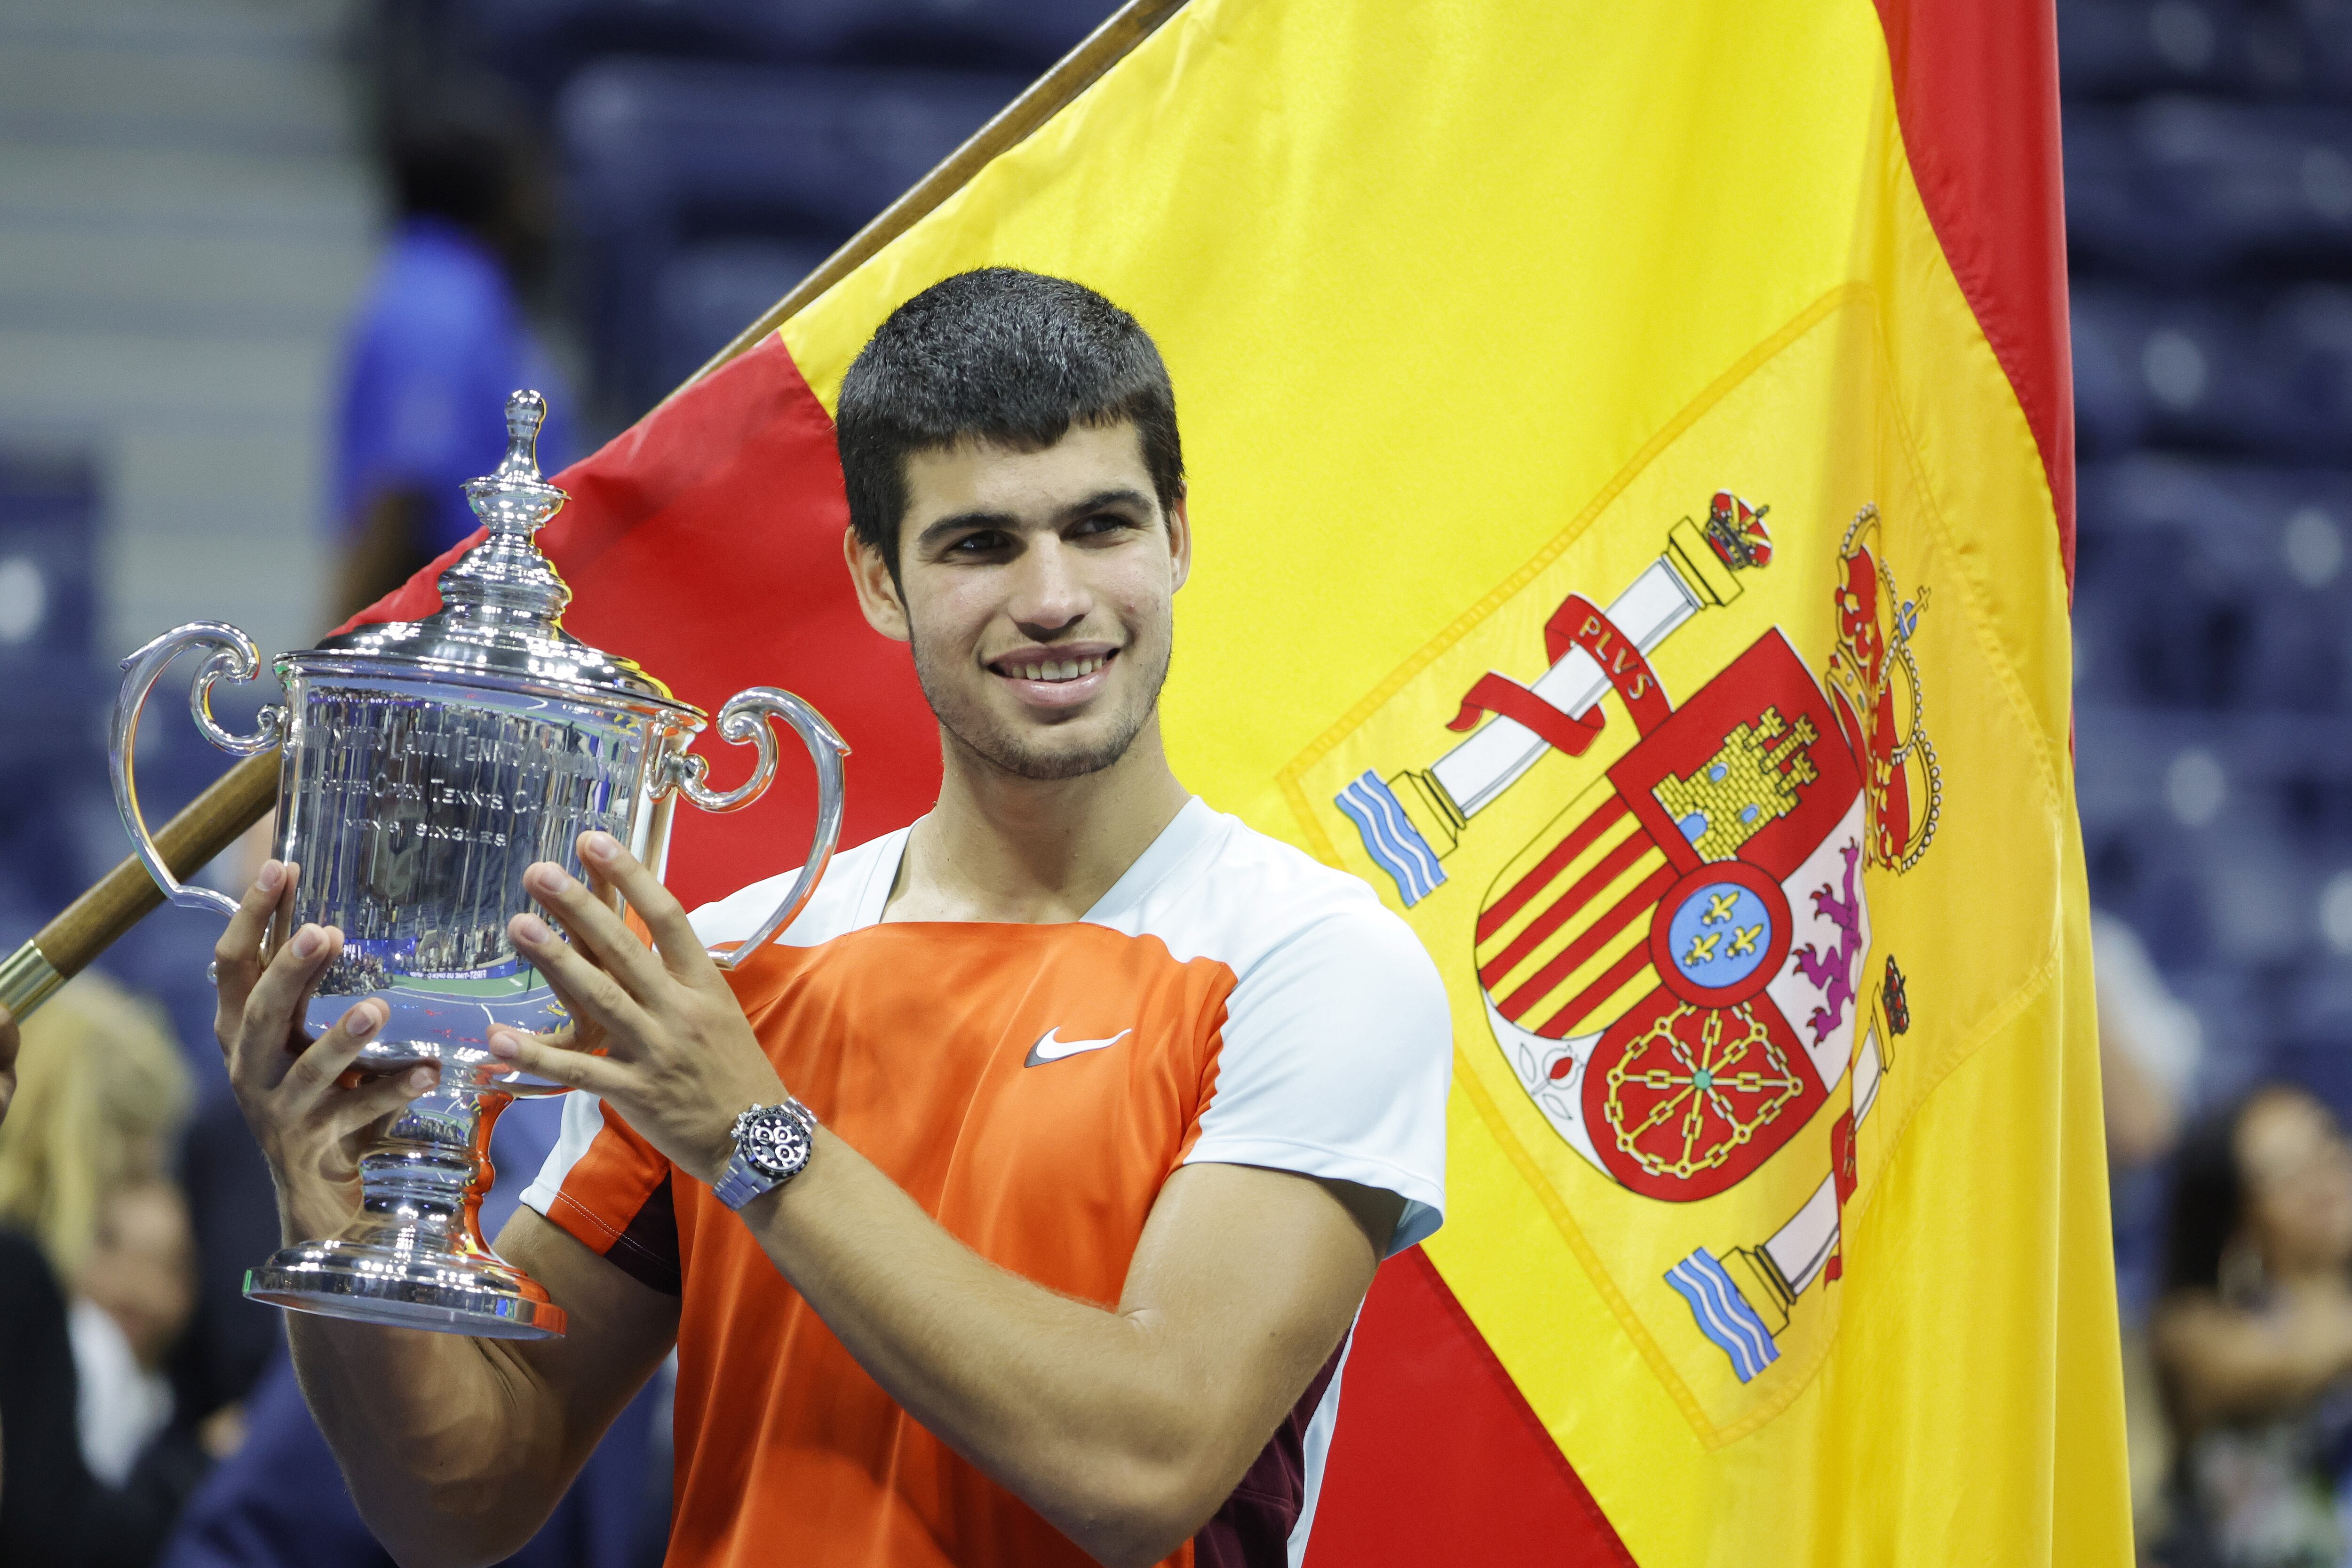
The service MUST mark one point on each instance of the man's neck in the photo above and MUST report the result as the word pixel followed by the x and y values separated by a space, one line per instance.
pixel 1032 851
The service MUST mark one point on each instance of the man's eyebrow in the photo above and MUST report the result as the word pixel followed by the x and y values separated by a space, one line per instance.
pixel 1121 495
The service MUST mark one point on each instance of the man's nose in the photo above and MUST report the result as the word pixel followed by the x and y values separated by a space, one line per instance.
pixel 1048 595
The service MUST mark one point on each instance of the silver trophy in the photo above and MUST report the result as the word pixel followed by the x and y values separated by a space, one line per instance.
pixel 426 763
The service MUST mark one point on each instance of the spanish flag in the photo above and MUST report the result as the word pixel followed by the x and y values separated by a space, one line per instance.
pixel 1632 471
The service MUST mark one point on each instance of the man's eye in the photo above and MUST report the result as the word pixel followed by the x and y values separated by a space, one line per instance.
pixel 986 542
pixel 1107 522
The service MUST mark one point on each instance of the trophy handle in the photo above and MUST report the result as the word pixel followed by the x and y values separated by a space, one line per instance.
pixel 745 718
pixel 234 656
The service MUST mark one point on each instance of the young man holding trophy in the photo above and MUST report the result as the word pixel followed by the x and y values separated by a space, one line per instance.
pixel 1015 1205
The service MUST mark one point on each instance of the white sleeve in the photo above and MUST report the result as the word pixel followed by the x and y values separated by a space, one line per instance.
pixel 1336 1057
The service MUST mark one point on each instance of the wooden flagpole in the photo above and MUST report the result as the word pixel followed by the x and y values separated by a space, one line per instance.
pixel 242 796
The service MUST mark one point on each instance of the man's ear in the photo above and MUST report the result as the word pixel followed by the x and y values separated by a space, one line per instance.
pixel 1180 541
pixel 877 595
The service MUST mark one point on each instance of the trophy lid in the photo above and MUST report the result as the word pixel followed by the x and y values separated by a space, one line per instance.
pixel 501 617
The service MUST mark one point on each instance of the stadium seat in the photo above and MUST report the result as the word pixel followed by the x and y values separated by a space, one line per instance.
pixel 2175 187
pixel 708 293
pixel 2263 371
pixel 540 44
pixel 666 155
pixel 2122 48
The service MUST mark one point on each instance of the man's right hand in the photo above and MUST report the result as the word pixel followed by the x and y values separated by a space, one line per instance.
pixel 312 1127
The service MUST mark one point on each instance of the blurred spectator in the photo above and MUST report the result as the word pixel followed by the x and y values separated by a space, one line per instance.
pixel 2149 1045
pixel 2149 1048
pixel 439 339
pixel 2253 1337
pixel 96 1282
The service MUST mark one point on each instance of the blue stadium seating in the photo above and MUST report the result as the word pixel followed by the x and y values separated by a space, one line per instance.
pixel 665 155
pixel 706 293
pixel 2127 48
pixel 2213 584
pixel 2262 370
pixel 2177 187
pixel 541 43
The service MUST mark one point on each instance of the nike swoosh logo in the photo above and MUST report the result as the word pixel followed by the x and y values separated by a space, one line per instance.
pixel 1049 1049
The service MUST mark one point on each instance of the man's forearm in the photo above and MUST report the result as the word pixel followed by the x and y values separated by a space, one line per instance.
pixel 1123 1434
pixel 441 1459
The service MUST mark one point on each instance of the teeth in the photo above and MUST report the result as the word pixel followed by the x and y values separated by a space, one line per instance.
pixel 1062 669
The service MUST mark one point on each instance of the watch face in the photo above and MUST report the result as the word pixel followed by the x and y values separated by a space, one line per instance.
pixel 772 1142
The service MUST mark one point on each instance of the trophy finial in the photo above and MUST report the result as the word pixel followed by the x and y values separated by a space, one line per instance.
pixel 526 412
pixel 506 572
pixel 513 499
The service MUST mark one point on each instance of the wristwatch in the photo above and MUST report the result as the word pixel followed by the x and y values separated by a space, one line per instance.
pixel 772 1146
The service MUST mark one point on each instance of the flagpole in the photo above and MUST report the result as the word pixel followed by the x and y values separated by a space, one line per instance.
pixel 243 794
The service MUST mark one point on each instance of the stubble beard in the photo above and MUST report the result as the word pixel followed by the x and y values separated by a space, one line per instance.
pixel 979 732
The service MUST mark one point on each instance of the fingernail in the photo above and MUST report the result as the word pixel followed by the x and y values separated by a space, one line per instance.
pixel 529 928
pixel 549 878
pixel 505 1047
pixel 271 877
pixel 360 1019
pixel 308 942
pixel 599 845
pixel 421 1079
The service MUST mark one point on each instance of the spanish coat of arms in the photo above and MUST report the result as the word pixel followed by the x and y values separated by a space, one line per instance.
pixel 1676 967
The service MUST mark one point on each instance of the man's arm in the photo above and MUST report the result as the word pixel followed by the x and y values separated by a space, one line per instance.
pixel 456 1449
pixel 1126 1428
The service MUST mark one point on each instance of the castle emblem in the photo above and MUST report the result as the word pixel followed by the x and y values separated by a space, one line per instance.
pixel 1752 780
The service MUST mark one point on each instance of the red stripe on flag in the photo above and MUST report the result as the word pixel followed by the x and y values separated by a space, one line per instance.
pixel 1975 91
pixel 1498 915
pixel 1565 962
pixel 1612 866
pixel 1437 1460
pixel 1561 1025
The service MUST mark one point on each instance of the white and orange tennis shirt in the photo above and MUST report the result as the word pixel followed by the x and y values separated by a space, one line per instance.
pixel 1032 1087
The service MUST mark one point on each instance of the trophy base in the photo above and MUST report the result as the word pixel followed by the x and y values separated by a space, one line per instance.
pixel 404 1288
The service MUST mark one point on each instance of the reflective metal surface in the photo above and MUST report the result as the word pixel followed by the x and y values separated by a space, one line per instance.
pixel 415 1257
pixel 27 979
pixel 234 656
pixel 426 763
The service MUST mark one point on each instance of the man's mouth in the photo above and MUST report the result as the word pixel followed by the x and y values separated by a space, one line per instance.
pixel 1054 677
pixel 1053 669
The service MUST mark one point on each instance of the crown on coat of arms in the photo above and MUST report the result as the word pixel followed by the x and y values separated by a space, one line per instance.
pixel 1752 780
pixel 1736 532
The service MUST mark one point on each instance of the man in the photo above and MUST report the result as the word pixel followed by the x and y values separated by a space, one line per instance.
pixel 1111 1105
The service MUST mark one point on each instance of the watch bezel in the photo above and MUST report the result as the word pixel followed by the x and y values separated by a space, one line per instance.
pixel 795 1127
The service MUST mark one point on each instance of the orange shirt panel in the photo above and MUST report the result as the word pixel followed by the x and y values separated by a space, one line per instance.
pixel 910 1042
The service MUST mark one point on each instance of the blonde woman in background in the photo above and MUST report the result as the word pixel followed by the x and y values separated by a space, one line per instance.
pixel 101 1250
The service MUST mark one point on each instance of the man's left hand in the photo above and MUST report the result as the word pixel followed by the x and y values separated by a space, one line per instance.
pixel 656 1034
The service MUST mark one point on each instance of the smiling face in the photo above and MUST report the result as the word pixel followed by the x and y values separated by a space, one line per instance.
pixel 1038 591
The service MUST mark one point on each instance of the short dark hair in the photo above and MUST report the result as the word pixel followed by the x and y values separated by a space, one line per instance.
pixel 1000 355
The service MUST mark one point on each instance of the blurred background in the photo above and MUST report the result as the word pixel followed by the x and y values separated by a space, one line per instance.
pixel 263 263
